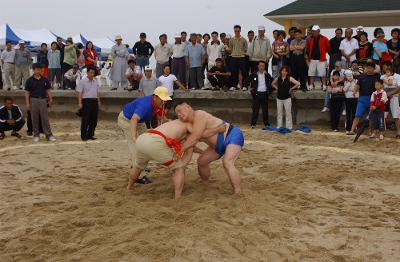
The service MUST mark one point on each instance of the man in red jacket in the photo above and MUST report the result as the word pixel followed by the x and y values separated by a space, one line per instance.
pixel 318 47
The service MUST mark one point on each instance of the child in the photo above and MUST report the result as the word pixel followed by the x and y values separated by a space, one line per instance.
pixel 391 82
pixel 286 85
pixel 351 99
pixel 377 110
pixel 336 90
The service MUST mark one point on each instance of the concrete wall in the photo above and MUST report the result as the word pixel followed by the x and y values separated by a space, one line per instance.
pixel 231 106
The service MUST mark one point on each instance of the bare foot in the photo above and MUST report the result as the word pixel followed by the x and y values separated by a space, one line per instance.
pixel 131 182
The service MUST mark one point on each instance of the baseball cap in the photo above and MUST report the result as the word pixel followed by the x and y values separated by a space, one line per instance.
pixel 177 35
pixel 162 93
pixel 315 28
pixel 148 68
pixel 261 28
pixel 21 42
pixel 142 35
pixel 360 28
pixel 118 37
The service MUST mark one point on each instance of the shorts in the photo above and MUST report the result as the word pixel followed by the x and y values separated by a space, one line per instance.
pixel 233 137
pixel 395 107
pixel 317 68
pixel 362 106
pixel 153 147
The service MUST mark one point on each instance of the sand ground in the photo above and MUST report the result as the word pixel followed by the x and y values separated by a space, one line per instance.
pixel 312 197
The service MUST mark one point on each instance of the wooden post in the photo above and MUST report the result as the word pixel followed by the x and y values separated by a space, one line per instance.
pixel 287 24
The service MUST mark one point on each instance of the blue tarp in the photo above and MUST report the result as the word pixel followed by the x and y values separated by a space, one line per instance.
pixel 12 37
pixel 84 41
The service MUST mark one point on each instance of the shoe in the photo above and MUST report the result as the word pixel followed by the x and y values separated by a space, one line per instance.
pixel 28 133
pixel 372 136
pixel 232 89
pixel 192 88
pixel 323 88
pixel 325 109
pixel 343 112
pixel 92 138
pixel 252 126
pixel 2 136
pixel 144 180
pixel 380 137
pixel 84 139
pixel 114 89
pixel 244 89
pixel 16 135
pixel 36 139
pixel 350 133
pixel 204 88
pixel 51 139
pixel 310 87
pixel 335 130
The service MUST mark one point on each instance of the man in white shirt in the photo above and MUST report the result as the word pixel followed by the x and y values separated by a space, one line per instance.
pixel 8 65
pixel 214 50
pixel 348 47
pixel 168 80
pixel 178 59
pixel 162 54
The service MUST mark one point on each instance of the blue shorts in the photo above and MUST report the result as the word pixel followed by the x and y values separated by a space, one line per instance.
pixel 362 106
pixel 233 137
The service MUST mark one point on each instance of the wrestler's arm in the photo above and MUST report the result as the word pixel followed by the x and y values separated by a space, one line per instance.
pixel 199 125
pixel 187 156
pixel 134 121
pixel 213 131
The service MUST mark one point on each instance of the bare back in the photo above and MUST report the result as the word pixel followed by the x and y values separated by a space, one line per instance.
pixel 175 129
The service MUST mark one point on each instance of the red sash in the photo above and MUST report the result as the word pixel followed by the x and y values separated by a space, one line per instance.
pixel 172 143
pixel 157 111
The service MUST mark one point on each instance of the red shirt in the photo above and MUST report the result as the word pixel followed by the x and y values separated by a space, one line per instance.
pixel 89 54
pixel 323 47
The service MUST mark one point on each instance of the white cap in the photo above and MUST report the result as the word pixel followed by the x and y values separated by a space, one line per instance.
pixel 118 37
pixel 315 28
pixel 228 36
pixel 261 28
pixel 360 28
pixel 148 68
pixel 177 35
pixel 21 42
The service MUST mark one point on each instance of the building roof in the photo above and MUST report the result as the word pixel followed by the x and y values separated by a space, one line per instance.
pixel 334 6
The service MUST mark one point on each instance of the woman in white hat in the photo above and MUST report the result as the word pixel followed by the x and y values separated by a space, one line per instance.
pixel 120 55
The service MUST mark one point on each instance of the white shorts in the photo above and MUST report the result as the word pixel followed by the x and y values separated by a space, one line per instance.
pixel 317 68
pixel 395 107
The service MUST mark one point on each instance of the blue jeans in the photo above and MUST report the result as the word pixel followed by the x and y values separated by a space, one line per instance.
pixel 327 99
pixel 277 67
pixel 142 61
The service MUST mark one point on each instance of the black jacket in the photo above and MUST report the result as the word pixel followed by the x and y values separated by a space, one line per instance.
pixel 252 80
pixel 15 112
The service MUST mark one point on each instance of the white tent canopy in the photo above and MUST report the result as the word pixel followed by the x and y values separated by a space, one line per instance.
pixel 104 43
pixel 36 37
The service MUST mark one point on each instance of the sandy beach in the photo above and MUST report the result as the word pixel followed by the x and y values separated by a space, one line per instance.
pixel 315 197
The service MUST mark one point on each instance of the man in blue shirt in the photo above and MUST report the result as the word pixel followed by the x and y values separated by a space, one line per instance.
pixel 134 114
pixel 194 57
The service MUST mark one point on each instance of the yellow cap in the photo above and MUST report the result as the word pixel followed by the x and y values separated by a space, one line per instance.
pixel 162 93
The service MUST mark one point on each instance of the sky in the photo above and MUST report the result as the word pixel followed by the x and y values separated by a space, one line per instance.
pixel 130 18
